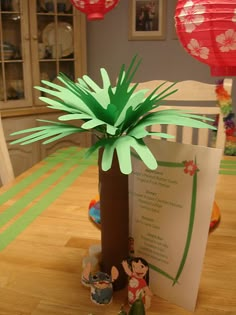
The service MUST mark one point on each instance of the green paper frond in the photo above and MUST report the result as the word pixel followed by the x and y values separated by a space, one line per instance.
pixel 54 131
pixel 174 117
pixel 120 116
pixel 123 146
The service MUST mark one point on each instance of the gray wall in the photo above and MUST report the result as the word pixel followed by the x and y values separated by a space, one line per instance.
pixel 109 47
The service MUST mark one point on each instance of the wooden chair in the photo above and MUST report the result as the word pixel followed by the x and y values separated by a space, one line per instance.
pixel 6 169
pixel 194 93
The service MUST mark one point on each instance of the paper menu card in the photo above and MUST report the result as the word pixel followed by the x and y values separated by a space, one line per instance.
pixel 170 212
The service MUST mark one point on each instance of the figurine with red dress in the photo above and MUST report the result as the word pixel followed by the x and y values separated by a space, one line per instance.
pixel 137 269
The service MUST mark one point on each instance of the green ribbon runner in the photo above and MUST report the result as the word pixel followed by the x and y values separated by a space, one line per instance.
pixel 50 162
pixel 72 166
pixel 228 167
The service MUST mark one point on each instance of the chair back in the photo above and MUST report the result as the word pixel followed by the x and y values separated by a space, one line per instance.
pixel 199 95
pixel 6 169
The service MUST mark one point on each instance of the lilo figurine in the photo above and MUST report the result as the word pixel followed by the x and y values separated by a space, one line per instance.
pixel 138 271
pixel 101 289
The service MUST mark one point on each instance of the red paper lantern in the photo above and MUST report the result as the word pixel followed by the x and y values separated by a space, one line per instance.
pixel 94 9
pixel 207 30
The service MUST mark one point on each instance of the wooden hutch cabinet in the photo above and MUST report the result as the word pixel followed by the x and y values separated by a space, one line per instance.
pixel 38 39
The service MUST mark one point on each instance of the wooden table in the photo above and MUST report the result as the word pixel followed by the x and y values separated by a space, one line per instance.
pixel 46 233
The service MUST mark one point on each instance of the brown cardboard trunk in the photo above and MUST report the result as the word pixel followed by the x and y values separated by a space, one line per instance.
pixel 114 205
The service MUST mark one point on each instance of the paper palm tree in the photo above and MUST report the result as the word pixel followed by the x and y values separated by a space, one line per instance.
pixel 119 116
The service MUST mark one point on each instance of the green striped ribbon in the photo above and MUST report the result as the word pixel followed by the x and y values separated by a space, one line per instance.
pixel 228 167
pixel 70 164
pixel 50 162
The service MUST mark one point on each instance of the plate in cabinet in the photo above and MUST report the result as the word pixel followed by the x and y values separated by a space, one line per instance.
pixel 60 33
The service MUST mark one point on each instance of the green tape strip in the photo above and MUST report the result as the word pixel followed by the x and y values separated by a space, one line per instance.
pixel 228 166
pixel 228 162
pixel 20 204
pixel 228 169
pixel 28 217
pixel 224 172
pixel 50 162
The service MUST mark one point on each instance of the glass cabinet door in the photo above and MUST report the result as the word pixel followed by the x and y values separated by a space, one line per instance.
pixel 57 36
pixel 15 75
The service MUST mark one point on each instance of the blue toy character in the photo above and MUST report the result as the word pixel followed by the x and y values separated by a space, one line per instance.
pixel 101 289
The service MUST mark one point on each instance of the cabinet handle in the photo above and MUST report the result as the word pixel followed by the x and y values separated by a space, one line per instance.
pixel 35 37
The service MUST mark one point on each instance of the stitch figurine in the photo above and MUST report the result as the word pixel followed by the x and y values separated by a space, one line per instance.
pixel 138 271
pixel 100 284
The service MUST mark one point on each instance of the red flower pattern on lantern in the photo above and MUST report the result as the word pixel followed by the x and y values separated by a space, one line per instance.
pixel 196 50
pixel 207 30
pixel 94 9
pixel 192 14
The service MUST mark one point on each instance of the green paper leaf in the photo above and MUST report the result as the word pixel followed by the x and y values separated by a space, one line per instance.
pixel 59 105
pixel 43 132
pixel 105 79
pixel 123 92
pixel 83 99
pixel 170 116
pixel 113 111
pixel 152 101
pixel 69 99
pixel 93 123
pixel 71 86
pixel 107 155
pixel 100 94
pixel 96 146
pixel 81 84
pixel 145 154
pixel 52 85
pixel 162 95
pixel 132 103
pixel 160 134
pixel 91 83
pixel 102 98
pixel 123 147
pixel 140 133
pixel 62 135
pixel 74 117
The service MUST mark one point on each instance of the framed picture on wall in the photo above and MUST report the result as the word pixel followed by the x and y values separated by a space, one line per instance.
pixel 147 19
